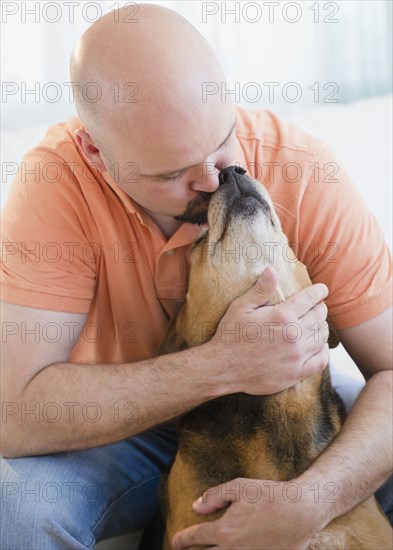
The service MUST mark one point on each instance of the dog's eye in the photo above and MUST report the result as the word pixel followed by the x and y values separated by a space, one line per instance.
pixel 199 239
pixel 197 242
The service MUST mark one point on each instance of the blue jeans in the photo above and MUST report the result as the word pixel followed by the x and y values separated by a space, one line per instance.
pixel 73 500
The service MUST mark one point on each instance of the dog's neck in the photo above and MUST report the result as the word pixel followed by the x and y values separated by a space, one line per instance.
pixel 198 319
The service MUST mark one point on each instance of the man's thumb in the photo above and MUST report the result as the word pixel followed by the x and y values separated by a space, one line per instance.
pixel 263 289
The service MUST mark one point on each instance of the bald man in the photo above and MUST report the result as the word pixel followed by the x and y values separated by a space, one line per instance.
pixel 96 264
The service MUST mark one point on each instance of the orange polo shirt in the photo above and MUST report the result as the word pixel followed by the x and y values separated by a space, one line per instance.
pixel 73 241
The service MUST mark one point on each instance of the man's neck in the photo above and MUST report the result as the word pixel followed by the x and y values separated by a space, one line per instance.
pixel 167 224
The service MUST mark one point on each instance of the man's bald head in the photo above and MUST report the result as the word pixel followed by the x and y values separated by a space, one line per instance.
pixel 146 71
pixel 152 126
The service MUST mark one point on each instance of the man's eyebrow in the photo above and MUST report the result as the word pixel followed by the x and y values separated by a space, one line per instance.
pixel 166 174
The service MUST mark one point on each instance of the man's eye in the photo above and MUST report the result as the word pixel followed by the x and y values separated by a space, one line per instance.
pixel 173 178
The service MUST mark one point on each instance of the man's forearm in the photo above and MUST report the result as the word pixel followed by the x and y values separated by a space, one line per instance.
pixel 70 406
pixel 360 459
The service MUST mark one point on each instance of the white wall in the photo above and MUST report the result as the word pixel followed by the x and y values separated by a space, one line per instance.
pixel 285 57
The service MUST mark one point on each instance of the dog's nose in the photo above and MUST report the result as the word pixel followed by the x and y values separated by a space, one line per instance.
pixel 225 174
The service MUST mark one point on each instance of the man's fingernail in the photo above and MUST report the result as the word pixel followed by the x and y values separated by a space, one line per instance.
pixel 197 502
pixel 264 276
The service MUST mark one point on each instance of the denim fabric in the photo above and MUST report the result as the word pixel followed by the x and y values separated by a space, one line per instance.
pixel 73 500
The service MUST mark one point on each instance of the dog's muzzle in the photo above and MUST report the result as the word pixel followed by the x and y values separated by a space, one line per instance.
pixel 240 192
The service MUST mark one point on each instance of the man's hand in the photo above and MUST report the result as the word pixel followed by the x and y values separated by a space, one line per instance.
pixel 260 515
pixel 269 349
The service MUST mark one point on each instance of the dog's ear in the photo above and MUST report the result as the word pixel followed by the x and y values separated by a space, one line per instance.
pixel 334 338
pixel 292 277
pixel 304 279
pixel 302 276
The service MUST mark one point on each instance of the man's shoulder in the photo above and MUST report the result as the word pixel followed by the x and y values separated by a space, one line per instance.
pixel 52 175
pixel 269 131
pixel 58 141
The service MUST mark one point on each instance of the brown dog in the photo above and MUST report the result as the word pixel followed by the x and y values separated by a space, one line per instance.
pixel 273 437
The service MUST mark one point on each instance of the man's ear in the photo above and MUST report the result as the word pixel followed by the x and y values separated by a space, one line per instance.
pixel 89 150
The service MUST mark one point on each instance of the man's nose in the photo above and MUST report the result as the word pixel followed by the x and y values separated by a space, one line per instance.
pixel 208 180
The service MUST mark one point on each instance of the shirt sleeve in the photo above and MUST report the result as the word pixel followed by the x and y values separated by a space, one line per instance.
pixel 49 254
pixel 343 246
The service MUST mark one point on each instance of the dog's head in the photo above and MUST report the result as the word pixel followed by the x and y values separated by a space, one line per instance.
pixel 244 237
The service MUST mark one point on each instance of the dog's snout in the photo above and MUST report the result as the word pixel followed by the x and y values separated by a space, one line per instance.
pixel 226 173
pixel 240 192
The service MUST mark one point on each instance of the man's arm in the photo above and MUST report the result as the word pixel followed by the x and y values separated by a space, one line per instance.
pixel 360 458
pixel 357 463
pixel 51 405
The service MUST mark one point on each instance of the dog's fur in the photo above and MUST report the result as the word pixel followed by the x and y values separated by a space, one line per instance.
pixel 273 437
